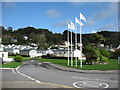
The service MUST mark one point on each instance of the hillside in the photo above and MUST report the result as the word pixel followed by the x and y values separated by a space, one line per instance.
pixel 45 37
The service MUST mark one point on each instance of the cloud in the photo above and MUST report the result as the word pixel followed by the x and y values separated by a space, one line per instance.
pixel 61 23
pixel 108 11
pixel 52 13
pixel 110 26
pixel 93 31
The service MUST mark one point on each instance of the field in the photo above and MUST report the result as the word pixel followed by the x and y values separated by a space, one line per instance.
pixel 112 64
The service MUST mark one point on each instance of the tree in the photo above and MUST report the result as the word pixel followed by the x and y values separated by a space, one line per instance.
pixel 39 39
pixel 104 52
pixel 97 39
pixel 92 54
pixel 10 29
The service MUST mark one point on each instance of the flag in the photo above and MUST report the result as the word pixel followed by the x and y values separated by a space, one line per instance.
pixel 78 21
pixel 71 26
pixel 82 17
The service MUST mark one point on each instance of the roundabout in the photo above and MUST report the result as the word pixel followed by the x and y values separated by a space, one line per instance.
pixel 90 84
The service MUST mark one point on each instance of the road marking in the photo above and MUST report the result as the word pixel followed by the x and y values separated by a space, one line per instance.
pixel 5 68
pixel 95 79
pixel 27 76
pixel 88 84
pixel 40 81
pixel 13 70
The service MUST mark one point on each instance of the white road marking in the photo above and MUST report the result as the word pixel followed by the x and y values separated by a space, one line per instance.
pixel 13 70
pixel 84 84
pixel 27 76
pixel 95 79
pixel 106 85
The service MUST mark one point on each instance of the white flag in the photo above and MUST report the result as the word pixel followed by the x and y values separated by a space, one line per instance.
pixel 78 21
pixel 82 17
pixel 71 26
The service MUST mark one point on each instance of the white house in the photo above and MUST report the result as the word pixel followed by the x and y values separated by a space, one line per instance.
pixel 29 52
pixel 4 56
pixel 16 51
pixel 64 53
pixel 118 47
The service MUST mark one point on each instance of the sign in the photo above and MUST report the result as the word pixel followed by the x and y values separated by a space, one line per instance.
pixel 118 60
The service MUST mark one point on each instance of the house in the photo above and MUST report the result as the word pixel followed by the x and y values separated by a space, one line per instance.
pixel 9 50
pixel 118 47
pixel 64 53
pixel 16 51
pixel 4 57
pixel 25 37
pixel 14 40
pixel 29 52
pixel 42 52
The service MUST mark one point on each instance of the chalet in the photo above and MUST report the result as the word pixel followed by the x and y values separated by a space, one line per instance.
pixel 29 52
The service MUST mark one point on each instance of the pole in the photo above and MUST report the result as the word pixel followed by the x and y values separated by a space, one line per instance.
pixel 71 50
pixel 68 46
pixel 80 47
pixel 76 46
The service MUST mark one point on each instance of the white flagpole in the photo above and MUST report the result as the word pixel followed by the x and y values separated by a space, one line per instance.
pixel 71 49
pixel 76 46
pixel 68 46
pixel 80 46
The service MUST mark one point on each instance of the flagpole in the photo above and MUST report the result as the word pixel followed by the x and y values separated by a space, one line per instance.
pixel 71 49
pixel 80 46
pixel 68 46
pixel 76 46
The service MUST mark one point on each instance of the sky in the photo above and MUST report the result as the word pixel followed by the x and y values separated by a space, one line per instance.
pixel 55 16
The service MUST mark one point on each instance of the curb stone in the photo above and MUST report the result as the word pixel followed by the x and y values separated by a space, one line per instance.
pixel 81 71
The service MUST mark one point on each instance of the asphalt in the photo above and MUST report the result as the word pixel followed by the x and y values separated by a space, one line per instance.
pixel 49 75
pixel 12 79
pixel 77 70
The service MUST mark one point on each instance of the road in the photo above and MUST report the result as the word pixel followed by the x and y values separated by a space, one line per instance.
pixel 33 74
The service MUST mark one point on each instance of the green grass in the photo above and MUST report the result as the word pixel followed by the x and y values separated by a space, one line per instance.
pixel 24 58
pixel 112 64
pixel 11 65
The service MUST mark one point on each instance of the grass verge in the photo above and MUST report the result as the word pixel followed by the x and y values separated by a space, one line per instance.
pixel 112 64
pixel 10 65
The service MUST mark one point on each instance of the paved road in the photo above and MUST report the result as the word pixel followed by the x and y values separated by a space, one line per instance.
pixel 33 71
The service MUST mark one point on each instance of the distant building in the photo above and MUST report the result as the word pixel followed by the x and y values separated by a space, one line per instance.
pixel 118 47
pixel 4 57
pixel 14 40
pixel 25 37
pixel 29 52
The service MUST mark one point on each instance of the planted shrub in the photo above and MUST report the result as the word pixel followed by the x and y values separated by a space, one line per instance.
pixel 103 59
pixel 104 52
pixel 92 54
pixel 18 58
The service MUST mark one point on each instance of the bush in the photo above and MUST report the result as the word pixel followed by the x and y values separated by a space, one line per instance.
pixel 18 58
pixel 92 54
pixel 103 59
pixel 104 52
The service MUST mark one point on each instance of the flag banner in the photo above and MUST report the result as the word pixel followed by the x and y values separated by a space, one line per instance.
pixel 78 21
pixel 82 17
pixel 71 26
